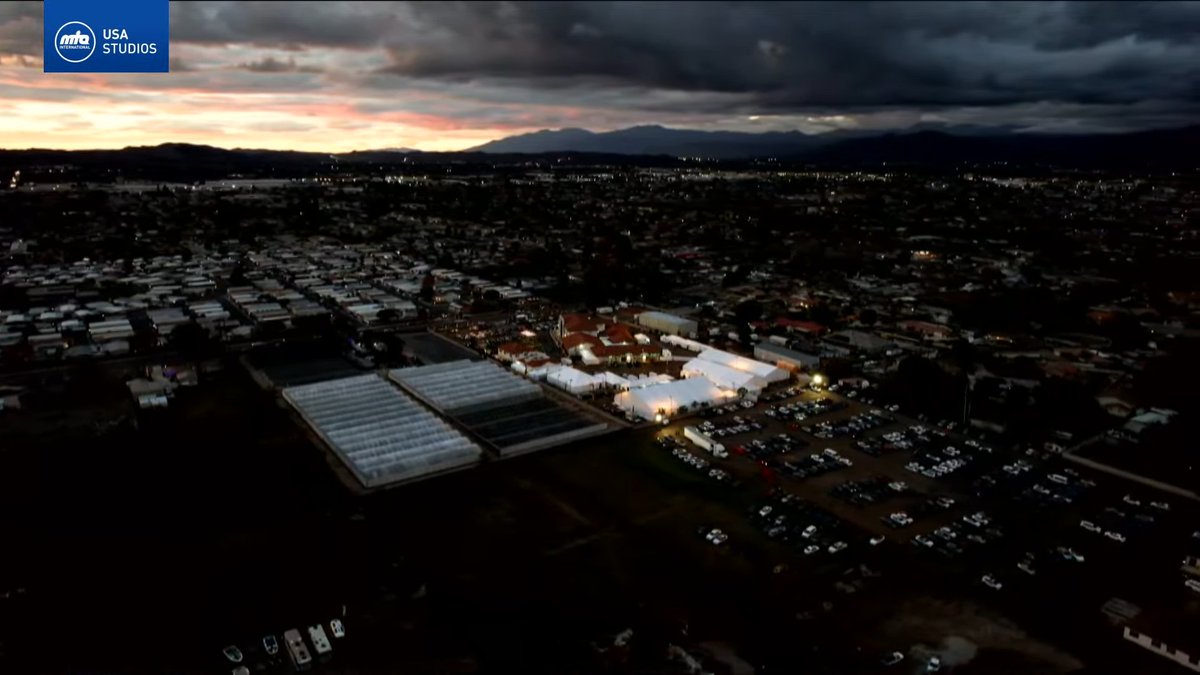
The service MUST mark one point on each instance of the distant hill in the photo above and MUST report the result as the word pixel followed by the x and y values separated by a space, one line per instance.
pixel 923 144
pixel 657 140
pixel 1168 149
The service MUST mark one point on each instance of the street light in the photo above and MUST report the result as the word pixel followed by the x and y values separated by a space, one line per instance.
pixel 818 380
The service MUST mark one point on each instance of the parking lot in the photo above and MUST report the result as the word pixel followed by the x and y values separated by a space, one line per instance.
pixel 821 447
pixel 842 480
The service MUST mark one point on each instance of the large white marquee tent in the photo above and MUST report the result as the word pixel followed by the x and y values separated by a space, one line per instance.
pixel 669 397
pixel 723 376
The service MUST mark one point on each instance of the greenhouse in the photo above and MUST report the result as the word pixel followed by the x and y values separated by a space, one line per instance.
pixel 510 413
pixel 381 435
pixel 461 385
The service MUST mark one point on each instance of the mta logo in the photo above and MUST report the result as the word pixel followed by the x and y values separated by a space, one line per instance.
pixel 78 39
pixel 75 42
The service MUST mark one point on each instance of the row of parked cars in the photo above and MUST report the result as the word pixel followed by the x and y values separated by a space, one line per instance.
pixel 810 529
pixel 727 409
pixel 802 410
pixel 873 490
pixel 771 446
pixel 737 425
pixel 680 451
pixel 780 395
pixel 853 427
pixel 816 464
pixel 293 642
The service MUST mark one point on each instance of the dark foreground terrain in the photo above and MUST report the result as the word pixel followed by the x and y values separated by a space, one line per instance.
pixel 216 522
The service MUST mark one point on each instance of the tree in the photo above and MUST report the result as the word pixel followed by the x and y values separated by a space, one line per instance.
pixel 427 288
pixel 191 340
pixel 742 391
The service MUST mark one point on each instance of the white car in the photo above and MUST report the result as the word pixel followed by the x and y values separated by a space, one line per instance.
pixel 991 582
pixel 934 664
pixel 1161 506
pixel 270 645
pixel 809 531
pixel 233 654
pixel 320 641
pixel 892 659
pixel 337 628
pixel 1090 526
pixel 717 537
pixel 811 549
pixel 875 541
pixel 1026 568
pixel 1115 536
pixel 1129 499
pixel 946 533
pixel 837 546
pixel 1192 584
pixel 1070 554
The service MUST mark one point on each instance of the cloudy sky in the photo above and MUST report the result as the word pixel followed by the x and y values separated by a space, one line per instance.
pixel 440 76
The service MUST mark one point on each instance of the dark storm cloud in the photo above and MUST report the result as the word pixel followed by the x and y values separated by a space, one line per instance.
pixel 824 54
pixel 270 64
pixel 21 28
pixel 1095 59
pixel 287 24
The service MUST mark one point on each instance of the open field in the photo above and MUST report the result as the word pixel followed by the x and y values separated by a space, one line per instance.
pixel 218 522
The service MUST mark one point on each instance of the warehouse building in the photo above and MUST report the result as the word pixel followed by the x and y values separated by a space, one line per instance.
pixel 784 357
pixel 381 435
pixel 668 324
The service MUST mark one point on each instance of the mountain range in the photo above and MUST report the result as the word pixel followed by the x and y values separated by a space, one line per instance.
pixel 1167 149
pixel 927 143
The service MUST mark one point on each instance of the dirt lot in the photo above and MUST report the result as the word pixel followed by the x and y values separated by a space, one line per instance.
pixel 223 522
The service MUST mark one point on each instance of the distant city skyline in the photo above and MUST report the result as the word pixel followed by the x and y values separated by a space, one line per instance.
pixel 449 76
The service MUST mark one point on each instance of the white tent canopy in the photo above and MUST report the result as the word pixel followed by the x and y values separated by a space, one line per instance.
pixel 669 397
pixel 765 371
pixel 573 380
pixel 723 376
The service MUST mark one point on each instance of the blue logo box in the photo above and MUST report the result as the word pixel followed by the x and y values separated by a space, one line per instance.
pixel 106 36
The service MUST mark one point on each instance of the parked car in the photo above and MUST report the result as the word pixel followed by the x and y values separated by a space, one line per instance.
pixel 320 641
pixel 892 659
pixel 270 645
pixel 233 654
pixel 991 582
pixel 337 628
